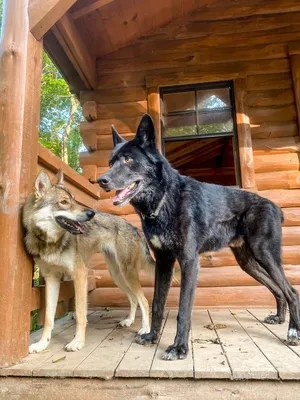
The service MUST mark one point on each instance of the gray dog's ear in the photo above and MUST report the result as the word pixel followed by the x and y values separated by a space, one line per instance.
pixel 59 177
pixel 146 132
pixel 42 184
pixel 117 138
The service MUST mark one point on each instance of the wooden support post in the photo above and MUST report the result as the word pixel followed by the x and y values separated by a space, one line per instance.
pixel 20 75
pixel 154 111
pixel 244 135
pixel 294 53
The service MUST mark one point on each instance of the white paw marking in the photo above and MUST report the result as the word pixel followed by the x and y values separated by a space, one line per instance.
pixel 293 333
pixel 126 322
pixel 74 345
pixel 38 347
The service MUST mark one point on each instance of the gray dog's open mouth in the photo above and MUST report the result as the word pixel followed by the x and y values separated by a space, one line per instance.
pixel 70 225
pixel 123 196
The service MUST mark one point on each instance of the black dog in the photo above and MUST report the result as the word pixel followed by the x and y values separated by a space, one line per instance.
pixel 182 218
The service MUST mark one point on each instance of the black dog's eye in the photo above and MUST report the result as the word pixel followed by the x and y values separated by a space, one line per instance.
pixel 127 160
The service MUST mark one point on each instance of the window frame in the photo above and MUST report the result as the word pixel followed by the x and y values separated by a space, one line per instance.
pixel 233 133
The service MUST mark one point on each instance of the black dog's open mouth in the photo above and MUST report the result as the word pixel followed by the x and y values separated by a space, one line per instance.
pixel 125 195
pixel 73 227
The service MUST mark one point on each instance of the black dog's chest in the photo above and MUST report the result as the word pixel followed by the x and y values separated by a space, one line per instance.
pixel 159 237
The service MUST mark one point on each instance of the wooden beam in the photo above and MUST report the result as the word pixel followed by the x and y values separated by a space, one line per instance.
pixel 43 14
pixel 294 58
pixel 89 8
pixel 244 134
pixel 48 159
pixel 73 45
pixel 89 110
pixel 154 111
pixel 20 71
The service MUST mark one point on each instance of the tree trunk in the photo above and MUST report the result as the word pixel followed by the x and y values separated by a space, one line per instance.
pixel 65 136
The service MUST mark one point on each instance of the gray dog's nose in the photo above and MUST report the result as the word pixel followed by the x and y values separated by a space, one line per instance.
pixel 90 213
pixel 104 180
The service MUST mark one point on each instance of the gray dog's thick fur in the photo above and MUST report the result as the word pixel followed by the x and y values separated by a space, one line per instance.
pixel 182 217
pixel 56 251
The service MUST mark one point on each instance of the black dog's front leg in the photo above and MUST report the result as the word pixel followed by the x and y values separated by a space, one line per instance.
pixel 189 276
pixel 163 275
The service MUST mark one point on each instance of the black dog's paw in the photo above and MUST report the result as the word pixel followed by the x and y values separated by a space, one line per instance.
pixel 293 337
pixel 146 339
pixel 273 319
pixel 175 352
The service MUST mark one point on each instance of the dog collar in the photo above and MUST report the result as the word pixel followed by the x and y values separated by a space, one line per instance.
pixel 156 212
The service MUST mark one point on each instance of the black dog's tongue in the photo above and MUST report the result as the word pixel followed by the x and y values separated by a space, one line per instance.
pixel 121 194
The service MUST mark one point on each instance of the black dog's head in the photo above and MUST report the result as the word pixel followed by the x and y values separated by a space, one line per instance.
pixel 133 164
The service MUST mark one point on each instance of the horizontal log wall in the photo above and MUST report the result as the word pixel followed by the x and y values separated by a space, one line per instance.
pixel 198 50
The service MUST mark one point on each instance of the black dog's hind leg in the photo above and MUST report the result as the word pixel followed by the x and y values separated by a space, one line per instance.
pixel 163 276
pixel 271 262
pixel 249 264
pixel 189 275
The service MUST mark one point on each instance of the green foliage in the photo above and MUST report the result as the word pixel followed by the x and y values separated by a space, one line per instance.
pixel 55 114
pixel 56 109
pixel 1 11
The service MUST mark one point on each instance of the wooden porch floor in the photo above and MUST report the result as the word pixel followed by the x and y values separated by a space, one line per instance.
pixel 242 347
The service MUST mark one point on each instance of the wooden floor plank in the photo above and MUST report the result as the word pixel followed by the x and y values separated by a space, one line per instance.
pixel 279 331
pixel 286 362
pixel 137 361
pixel 209 359
pixel 59 326
pixel 249 349
pixel 62 333
pixel 105 358
pixel 33 361
pixel 171 369
pixel 62 363
pixel 245 359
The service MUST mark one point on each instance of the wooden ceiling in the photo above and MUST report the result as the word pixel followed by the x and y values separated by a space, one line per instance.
pixel 124 35
pixel 107 25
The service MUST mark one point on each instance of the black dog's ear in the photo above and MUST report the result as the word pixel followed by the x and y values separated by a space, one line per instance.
pixel 117 139
pixel 146 132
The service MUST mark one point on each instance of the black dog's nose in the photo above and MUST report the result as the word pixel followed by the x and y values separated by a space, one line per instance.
pixel 104 180
pixel 90 214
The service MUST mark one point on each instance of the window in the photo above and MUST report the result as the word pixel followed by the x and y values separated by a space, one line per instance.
pixel 199 135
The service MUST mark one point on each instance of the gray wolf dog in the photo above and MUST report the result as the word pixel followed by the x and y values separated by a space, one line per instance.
pixel 182 217
pixel 62 235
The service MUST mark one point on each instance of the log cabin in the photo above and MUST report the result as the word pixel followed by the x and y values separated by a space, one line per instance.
pixel 221 80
